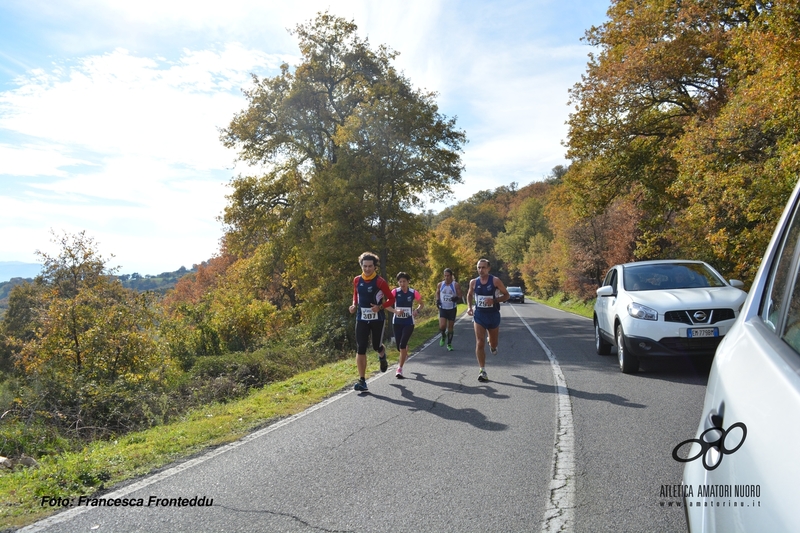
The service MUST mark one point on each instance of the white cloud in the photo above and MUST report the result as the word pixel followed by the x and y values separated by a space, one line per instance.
pixel 36 159
pixel 130 150
pixel 118 103
pixel 120 136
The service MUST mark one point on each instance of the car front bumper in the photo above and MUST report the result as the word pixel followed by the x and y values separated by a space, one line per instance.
pixel 671 346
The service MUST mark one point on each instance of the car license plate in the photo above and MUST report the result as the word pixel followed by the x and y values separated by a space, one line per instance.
pixel 696 333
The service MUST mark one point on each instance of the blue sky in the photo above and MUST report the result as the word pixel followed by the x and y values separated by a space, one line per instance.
pixel 110 110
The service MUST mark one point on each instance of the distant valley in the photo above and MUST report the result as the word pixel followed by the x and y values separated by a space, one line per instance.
pixel 14 273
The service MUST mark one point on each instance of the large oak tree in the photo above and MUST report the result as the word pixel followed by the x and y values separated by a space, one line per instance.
pixel 347 149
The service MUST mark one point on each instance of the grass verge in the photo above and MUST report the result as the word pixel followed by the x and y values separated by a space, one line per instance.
pixel 102 464
pixel 563 302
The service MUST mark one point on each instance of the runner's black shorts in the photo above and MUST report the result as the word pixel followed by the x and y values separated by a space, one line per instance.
pixel 402 333
pixel 449 314
pixel 364 329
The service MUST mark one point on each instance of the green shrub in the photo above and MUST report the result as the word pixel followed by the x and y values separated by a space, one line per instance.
pixel 34 439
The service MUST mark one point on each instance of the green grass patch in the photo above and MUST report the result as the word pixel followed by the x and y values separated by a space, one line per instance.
pixel 565 303
pixel 102 464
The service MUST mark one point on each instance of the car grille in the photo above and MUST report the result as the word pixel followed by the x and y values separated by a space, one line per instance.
pixel 712 316
pixel 692 346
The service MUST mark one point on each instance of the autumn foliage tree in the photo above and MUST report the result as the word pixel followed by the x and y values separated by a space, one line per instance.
pixel 687 114
pixel 738 168
pixel 86 347
pixel 348 150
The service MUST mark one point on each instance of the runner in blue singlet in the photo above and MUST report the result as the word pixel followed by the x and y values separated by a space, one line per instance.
pixel 486 292
pixel 404 313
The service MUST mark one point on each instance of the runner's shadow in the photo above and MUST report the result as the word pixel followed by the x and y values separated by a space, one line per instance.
pixel 484 389
pixel 468 415
pixel 591 396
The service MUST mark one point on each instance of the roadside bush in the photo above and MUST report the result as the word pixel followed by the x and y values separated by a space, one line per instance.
pixel 34 439
pixel 328 329
pixel 230 376
pixel 88 410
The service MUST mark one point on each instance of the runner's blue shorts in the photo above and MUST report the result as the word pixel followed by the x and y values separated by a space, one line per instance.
pixel 487 319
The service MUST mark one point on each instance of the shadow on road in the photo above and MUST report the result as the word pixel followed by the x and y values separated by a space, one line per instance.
pixel 467 415
pixel 591 396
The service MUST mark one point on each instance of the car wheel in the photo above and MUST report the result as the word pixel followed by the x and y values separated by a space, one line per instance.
pixel 603 347
pixel 522 300
pixel 628 363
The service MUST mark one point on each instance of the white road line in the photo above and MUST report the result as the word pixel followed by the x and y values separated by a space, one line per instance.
pixel 559 515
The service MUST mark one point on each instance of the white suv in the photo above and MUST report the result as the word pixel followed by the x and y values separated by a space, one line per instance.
pixel 664 308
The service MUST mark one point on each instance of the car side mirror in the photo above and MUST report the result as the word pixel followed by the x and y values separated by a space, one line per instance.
pixel 607 290
pixel 736 283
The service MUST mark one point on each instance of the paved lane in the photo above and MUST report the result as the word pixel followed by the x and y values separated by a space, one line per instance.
pixel 442 452
pixel 625 428
pixel 436 452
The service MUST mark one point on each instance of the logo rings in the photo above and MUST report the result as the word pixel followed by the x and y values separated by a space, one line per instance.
pixel 707 446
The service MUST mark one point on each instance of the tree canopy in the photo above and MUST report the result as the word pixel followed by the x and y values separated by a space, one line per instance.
pixel 348 150
pixel 688 112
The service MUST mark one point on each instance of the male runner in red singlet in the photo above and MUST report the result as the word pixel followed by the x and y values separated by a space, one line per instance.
pixel 371 295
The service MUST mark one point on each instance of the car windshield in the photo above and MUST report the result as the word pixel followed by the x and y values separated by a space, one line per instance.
pixel 514 289
pixel 655 277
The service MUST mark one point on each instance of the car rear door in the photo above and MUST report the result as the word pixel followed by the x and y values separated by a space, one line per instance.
pixel 752 474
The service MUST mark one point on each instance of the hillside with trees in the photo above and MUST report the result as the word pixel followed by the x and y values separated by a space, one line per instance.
pixel 683 142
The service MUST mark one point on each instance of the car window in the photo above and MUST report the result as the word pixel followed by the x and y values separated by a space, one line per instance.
pixel 780 307
pixel 609 276
pixel 670 276
pixel 774 303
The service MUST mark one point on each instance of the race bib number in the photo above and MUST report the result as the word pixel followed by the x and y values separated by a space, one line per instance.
pixel 446 298
pixel 405 312
pixel 483 301
pixel 368 314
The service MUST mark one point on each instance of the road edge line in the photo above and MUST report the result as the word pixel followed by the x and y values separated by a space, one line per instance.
pixel 559 513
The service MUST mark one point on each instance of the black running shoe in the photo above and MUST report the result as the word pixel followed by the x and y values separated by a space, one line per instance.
pixel 384 363
pixel 361 385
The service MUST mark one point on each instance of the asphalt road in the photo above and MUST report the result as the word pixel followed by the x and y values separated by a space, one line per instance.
pixel 559 439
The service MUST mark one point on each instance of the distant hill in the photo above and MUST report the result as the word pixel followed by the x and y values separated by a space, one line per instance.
pixel 18 269
pixel 160 283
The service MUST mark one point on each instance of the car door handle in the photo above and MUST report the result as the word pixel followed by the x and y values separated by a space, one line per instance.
pixel 715 418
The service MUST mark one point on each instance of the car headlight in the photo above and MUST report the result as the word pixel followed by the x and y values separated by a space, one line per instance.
pixel 642 312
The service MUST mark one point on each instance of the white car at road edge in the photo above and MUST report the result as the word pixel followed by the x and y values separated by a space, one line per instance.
pixel 664 308
pixel 741 466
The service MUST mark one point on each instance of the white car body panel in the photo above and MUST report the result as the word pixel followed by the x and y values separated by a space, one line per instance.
pixel 742 383
pixel 754 380
pixel 687 298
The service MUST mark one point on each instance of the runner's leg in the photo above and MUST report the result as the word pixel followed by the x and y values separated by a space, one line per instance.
pixel 480 344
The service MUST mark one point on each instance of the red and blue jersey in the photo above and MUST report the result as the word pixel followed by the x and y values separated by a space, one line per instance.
pixel 367 293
